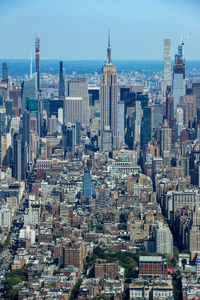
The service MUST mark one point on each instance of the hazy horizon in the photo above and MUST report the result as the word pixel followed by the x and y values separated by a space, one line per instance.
pixel 78 30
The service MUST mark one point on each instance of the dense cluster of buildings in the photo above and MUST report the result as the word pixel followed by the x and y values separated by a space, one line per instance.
pixel 111 167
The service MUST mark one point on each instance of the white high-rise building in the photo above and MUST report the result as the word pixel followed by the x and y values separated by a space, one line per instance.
pixel 179 119
pixel 163 239
pixel 5 217
pixel 167 65
pixel 60 115
pixel 32 218
pixel 78 87
pixel 27 233
pixel 73 109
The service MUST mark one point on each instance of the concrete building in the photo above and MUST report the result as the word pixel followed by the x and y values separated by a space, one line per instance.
pixel 166 137
pixel 157 115
pixel 163 239
pixel 78 87
pixel 73 109
pixel 167 65
pixel 194 233
pixel 143 290
pixel 32 218
pixel 196 92
pixel 52 124
pixel 188 104
pixel 27 233
pixel 179 199
pixel 5 217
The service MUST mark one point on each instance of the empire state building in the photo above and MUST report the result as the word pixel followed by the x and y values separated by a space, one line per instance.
pixel 108 98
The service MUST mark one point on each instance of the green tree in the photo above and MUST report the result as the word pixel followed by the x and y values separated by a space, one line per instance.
pixel 101 297
pixel 12 279
pixel 177 285
pixel 75 290
pixel 125 295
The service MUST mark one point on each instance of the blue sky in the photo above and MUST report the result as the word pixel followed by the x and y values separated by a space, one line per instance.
pixel 77 29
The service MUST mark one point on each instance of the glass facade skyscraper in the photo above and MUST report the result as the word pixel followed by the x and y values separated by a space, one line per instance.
pixel 61 81
pixel 179 87
pixel 5 72
pixel 146 128
pixel 20 158
pixel 29 89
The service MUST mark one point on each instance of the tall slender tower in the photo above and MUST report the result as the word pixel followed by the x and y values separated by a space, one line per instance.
pixel 61 81
pixel 37 66
pixel 167 65
pixel 179 88
pixel 37 61
pixel 108 97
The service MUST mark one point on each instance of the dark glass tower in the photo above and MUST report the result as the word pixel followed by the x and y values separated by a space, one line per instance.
pixel 146 127
pixel 61 81
pixel 5 72
pixel 20 163
pixel 37 61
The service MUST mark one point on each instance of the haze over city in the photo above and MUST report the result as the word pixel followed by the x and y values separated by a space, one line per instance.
pixel 76 30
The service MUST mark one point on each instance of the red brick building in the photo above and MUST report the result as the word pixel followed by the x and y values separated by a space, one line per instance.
pixel 152 266
pixel 106 270
pixel 73 254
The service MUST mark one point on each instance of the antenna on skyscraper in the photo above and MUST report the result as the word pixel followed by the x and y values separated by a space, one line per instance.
pixel 31 66
pixel 109 49
pixel 183 41
pixel 187 37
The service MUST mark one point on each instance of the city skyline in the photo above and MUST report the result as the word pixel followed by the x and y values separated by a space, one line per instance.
pixel 79 31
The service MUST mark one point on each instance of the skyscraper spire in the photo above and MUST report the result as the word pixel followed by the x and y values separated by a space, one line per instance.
pixel 109 49
pixel 181 49
pixel 31 72
pixel 108 38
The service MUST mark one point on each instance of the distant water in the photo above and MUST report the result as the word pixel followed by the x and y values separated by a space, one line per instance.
pixel 22 67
